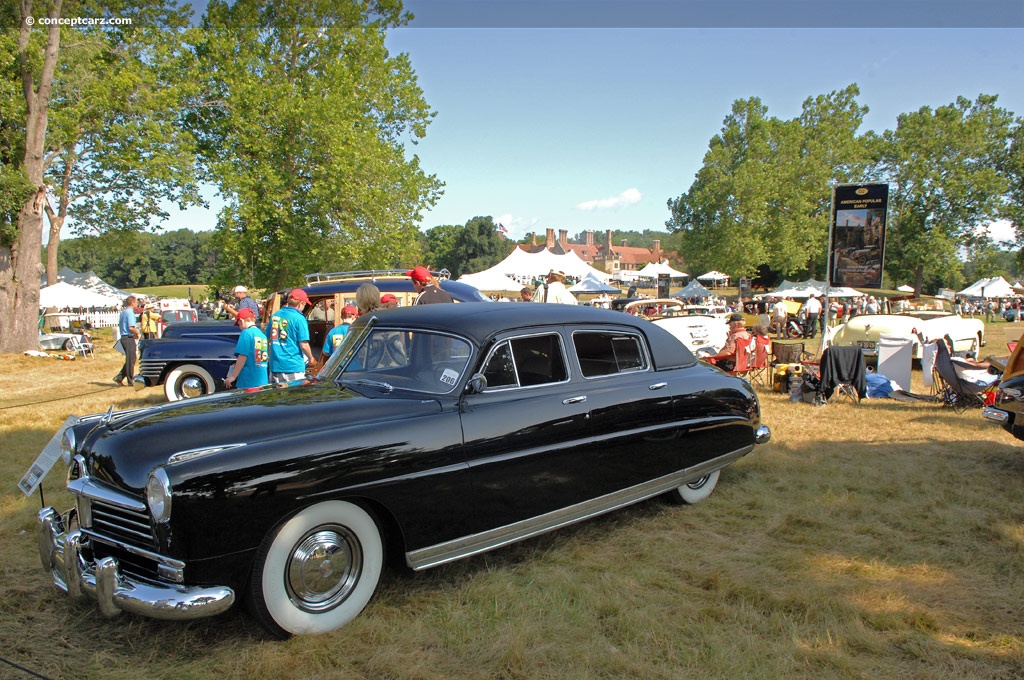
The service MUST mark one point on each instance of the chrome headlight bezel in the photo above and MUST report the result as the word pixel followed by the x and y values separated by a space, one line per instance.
pixel 68 444
pixel 158 495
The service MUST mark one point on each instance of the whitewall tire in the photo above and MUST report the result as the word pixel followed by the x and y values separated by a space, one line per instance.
pixel 696 490
pixel 188 381
pixel 318 570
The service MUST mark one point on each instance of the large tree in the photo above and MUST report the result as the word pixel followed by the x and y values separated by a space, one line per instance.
pixel 116 152
pixel 20 269
pixel 303 125
pixel 761 197
pixel 945 167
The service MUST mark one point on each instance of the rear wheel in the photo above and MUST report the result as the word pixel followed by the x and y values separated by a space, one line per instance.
pixel 695 490
pixel 317 571
pixel 187 382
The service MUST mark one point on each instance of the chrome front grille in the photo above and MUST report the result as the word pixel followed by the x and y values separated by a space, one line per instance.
pixel 151 369
pixel 126 526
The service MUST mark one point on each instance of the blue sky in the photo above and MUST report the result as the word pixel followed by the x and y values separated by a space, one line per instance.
pixel 544 126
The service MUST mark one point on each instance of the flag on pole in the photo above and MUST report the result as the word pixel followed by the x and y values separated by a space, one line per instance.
pixel 502 229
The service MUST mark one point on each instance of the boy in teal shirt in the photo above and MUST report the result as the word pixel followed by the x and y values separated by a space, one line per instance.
pixel 250 368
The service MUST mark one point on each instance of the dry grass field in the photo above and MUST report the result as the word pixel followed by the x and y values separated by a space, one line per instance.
pixel 884 540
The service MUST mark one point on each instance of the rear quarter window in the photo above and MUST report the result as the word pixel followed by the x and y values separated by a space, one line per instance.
pixel 604 353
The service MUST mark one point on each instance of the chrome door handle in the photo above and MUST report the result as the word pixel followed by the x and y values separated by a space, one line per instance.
pixel 657 386
pixel 574 400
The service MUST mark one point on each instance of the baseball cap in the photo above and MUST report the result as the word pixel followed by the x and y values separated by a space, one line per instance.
pixel 421 274
pixel 736 317
pixel 245 313
pixel 387 297
pixel 240 289
pixel 298 294
pixel 350 310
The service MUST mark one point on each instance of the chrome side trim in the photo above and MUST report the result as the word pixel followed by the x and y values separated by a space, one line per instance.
pixel 85 486
pixel 457 548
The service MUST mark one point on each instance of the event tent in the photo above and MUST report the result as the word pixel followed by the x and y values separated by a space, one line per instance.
pixel 995 287
pixel 716 277
pixel 654 269
pixel 63 294
pixel 905 288
pixel 592 284
pixel 491 281
pixel 525 266
pixel 798 289
pixel 90 281
pixel 693 289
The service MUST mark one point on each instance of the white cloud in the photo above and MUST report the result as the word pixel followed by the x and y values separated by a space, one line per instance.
pixel 627 197
pixel 1001 231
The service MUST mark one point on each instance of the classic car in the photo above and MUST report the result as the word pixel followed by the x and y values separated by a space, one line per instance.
pixel 918 322
pixel 433 433
pixel 1007 408
pixel 703 334
pixel 193 359
pixel 65 341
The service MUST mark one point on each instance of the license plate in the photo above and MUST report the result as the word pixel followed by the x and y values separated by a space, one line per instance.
pixel 866 344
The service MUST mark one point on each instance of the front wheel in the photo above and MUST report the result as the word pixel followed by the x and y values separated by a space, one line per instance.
pixel 696 490
pixel 318 570
pixel 187 382
pixel 794 333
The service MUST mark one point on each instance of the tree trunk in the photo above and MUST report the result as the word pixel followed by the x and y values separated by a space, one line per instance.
pixel 56 224
pixel 20 268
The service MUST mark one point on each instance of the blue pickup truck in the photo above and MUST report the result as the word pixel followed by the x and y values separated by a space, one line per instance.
pixel 192 359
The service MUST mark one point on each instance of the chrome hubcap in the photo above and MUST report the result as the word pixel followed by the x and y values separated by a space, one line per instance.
pixel 324 568
pixel 192 386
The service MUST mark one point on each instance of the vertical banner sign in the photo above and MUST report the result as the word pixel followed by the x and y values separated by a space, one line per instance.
pixel 857 235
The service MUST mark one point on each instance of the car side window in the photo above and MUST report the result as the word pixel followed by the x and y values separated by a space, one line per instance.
pixel 523 362
pixel 603 353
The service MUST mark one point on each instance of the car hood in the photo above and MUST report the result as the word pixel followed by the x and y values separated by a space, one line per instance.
pixel 124 450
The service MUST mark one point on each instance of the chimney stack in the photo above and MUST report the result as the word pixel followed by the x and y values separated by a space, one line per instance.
pixel 563 237
pixel 590 237
pixel 550 243
pixel 657 250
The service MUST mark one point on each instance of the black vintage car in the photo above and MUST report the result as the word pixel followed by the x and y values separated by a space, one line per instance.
pixel 191 360
pixel 437 432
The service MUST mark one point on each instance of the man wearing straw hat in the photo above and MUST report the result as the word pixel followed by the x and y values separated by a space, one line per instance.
pixel 554 290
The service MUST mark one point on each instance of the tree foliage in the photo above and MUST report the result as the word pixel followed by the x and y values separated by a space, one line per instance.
pixel 144 259
pixel 945 172
pixel 472 247
pixel 302 126
pixel 761 196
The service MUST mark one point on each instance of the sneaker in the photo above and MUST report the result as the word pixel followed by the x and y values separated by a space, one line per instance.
pixel 118 381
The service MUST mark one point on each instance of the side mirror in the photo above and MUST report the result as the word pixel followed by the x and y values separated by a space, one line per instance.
pixel 476 384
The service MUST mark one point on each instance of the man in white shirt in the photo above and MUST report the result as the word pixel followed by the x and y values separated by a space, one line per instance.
pixel 554 290
pixel 780 317
pixel 812 310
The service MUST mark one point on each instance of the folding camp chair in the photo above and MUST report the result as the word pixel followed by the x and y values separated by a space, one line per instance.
pixel 759 361
pixel 955 388
pixel 80 345
pixel 843 375
pixel 784 356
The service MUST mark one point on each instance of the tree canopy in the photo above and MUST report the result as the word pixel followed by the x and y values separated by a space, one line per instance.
pixel 302 126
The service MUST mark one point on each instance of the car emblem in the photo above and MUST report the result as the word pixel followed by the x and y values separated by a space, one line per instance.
pixel 867 328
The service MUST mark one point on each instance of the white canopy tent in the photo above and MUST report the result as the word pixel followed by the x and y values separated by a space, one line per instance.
pixel 525 266
pixel 89 281
pixel 905 288
pixel 717 277
pixel 803 289
pixel 490 280
pixel 63 294
pixel 995 287
pixel 653 269
pixel 592 284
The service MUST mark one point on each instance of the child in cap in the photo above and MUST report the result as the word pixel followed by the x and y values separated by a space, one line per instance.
pixel 250 367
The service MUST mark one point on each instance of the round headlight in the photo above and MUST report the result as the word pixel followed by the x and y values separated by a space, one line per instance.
pixel 158 495
pixel 67 445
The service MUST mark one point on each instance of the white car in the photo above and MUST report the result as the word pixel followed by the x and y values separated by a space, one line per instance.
pixel 864 331
pixel 703 334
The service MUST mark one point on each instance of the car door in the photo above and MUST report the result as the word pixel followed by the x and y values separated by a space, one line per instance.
pixel 634 436
pixel 527 434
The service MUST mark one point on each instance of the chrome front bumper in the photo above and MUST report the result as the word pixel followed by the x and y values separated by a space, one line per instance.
pixel 995 415
pixel 60 552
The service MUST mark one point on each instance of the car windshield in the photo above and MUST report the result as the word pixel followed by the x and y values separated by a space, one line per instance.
pixel 384 360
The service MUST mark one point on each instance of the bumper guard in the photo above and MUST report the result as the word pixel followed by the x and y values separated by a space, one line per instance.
pixel 60 552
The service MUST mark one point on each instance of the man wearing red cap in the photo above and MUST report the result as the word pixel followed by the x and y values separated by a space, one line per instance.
pixel 250 367
pixel 426 285
pixel 288 334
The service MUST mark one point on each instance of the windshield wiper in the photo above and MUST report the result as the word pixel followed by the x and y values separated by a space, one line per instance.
pixel 376 384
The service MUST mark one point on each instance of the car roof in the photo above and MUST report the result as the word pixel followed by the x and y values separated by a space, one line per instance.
pixel 480 322
pixel 391 284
